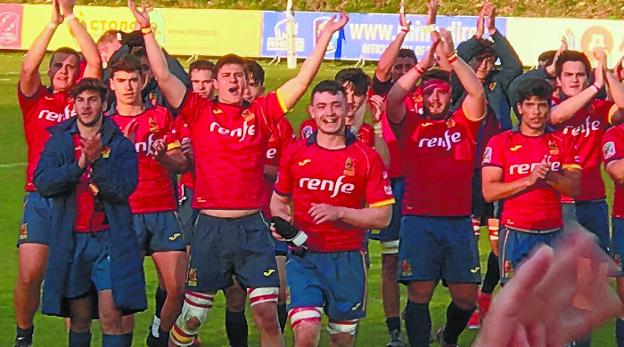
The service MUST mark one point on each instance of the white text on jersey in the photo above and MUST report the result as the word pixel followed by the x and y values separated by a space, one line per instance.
pixel 315 184
pixel 445 141
pixel 583 129
pixel 240 133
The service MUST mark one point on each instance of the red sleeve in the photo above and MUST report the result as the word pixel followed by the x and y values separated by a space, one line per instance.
pixel 378 189
pixel 27 103
pixel 172 139
pixel 570 159
pixel 612 145
pixel 367 135
pixel 605 109
pixel 286 132
pixel 272 106
pixel 190 107
pixel 493 154
pixel 284 182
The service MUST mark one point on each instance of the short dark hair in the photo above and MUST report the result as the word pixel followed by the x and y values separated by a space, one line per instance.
pixel 64 50
pixel 436 74
pixel 407 53
pixel 483 49
pixel 327 86
pixel 231 59
pixel 534 87
pixel 567 56
pixel 255 71
pixel 201 64
pixel 89 84
pixel 547 57
pixel 357 76
pixel 126 63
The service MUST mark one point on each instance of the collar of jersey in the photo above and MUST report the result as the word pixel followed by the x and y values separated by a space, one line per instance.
pixel 350 138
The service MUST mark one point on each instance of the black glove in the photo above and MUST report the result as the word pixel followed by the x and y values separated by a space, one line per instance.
pixel 288 232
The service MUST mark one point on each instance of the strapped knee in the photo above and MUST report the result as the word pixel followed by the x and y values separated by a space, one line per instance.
pixel 301 315
pixel 390 247
pixel 196 306
pixel 260 295
pixel 342 327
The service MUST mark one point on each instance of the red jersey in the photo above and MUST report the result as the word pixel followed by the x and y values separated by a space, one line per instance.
pixel 187 179
pixel 438 174
pixel 39 112
pixel 585 130
pixel 351 177
pixel 366 133
pixel 281 137
pixel 154 192
pixel 612 150
pixel 229 144
pixel 90 216
pixel 538 208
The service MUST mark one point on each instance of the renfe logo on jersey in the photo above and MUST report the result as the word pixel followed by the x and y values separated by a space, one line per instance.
pixel 523 169
pixel 584 129
pixel 445 141
pixel 336 187
pixel 240 133
pixel 271 153
pixel 57 117
pixel 145 146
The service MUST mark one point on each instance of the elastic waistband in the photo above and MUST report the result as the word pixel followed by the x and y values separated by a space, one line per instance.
pixel 236 220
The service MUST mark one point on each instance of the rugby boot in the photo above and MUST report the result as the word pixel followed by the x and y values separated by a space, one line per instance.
pixel 395 339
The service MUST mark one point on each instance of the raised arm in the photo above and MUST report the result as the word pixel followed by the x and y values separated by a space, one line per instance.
pixel 29 78
pixel 383 70
pixel 566 110
pixel 173 89
pixel 291 91
pixel 616 89
pixel 474 104
pixel 85 41
pixel 378 106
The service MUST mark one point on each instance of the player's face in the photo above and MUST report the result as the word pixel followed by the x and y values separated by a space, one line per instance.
pixel 64 71
pixel 534 112
pixel 482 66
pixel 253 90
pixel 354 104
pixel 146 69
pixel 202 83
pixel 436 102
pixel 107 49
pixel 89 107
pixel 329 111
pixel 231 83
pixel 127 87
pixel 573 78
pixel 401 66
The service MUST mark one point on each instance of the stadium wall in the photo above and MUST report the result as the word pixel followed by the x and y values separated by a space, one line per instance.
pixel 263 33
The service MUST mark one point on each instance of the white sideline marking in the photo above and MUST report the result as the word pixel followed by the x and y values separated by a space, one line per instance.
pixel 10 165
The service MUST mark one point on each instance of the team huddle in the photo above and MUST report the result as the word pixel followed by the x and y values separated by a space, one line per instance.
pixel 131 156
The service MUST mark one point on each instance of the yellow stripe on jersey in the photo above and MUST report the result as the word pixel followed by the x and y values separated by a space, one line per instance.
pixel 173 145
pixel 383 203
pixel 572 166
pixel 279 100
pixel 612 111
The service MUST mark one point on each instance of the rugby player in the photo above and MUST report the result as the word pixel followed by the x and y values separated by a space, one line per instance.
pixel 89 170
pixel 41 108
pixel 229 140
pixel 153 203
pixel 436 238
pixel 613 153
pixel 339 188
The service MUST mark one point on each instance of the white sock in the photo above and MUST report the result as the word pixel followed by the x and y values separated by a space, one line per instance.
pixel 155 327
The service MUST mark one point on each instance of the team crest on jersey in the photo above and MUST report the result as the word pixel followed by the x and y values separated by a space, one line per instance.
pixel 153 125
pixel 487 155
pixel 450 123
pixel 608 150
pixel 106 152
pixel 248 116
pixel 406 268
pixel 307 131
pixel 23 235
pixel 191 280
pixel 553 149
pixel 492 86
pixel 349 168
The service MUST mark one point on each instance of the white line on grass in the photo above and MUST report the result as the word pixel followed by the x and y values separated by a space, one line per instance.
pixel 10 165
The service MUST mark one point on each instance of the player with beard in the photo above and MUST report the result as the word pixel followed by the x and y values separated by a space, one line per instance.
pixel 41 108
pixel 436 237
pixel 339 188
pixel 229 140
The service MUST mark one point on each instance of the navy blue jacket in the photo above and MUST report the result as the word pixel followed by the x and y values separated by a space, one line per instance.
pixel 115 174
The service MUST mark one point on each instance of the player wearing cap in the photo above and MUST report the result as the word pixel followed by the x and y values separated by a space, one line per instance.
pixel 339 188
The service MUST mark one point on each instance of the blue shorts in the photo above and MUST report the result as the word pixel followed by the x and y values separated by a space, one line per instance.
pixel 334 281
pixel 90 266
pixel 226 247
pixel 390 235
pixel 35 227
pixel 281 248
pixel 434 248
pixel 516 245
pixel 187 214
pixel 159 231
pixel 594 216
pixel 617 244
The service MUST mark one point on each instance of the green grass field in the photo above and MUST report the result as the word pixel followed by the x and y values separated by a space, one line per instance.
pixel 50 331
